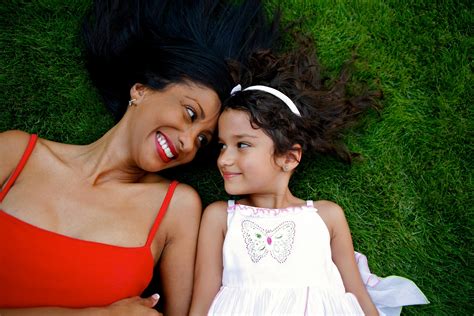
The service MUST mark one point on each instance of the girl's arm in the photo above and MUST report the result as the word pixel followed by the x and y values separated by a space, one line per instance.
pixel 343 254
pixel 176 264
pixel 209 266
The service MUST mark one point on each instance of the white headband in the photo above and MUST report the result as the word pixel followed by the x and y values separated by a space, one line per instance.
pixel 272 91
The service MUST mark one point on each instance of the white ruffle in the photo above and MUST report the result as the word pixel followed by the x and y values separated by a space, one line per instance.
pixel 389 294
pixel 254 301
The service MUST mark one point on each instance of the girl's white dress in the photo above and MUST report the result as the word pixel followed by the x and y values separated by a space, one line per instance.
pixel 278 262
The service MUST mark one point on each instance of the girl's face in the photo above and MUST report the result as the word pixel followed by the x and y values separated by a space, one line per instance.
pixel 169 126
pixel 246 161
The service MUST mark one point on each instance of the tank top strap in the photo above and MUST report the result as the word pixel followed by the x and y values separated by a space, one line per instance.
pixel 20 166
pixel 230 205
pixel 162 212
pixel 310 203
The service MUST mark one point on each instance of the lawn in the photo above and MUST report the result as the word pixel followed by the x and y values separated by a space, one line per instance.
pixel 408 200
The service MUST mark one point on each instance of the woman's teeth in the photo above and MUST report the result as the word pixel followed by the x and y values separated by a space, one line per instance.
pixel 164 146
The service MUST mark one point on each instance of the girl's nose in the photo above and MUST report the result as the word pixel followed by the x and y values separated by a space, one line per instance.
pixel 225 158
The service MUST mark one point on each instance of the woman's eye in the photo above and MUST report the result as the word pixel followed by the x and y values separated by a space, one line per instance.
pixel 242 145
pixel 191 113
pixel 222 146
pixel 203 141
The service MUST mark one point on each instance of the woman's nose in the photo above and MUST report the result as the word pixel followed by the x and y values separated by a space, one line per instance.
pixel 187 141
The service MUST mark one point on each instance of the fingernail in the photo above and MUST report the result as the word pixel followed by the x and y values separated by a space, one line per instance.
pixel 155 296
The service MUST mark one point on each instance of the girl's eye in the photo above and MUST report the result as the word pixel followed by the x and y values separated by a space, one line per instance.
pixel 191 113
pixel 203 141
pixel 242 145
pixel 222 146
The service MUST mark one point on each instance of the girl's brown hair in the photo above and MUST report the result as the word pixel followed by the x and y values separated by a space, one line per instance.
pixel 326 109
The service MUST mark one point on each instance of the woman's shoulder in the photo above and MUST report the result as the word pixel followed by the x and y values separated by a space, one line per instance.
pixel 12 146
pixel 184 194
pixel 187 196
pixel 13 142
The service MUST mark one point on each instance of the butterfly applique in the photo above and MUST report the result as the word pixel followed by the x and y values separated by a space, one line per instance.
pixel 278 241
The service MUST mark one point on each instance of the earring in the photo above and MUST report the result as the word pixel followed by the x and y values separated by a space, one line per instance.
pixel 285 168
pixel 132 102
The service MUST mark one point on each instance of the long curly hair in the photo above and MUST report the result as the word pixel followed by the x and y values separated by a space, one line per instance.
pixel 326 107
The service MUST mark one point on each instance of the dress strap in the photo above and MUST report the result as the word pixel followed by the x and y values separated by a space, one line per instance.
pixel 161 212
pixel 20 166
pixel 310 204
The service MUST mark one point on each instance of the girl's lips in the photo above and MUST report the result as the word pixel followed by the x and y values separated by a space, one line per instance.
pixel 229 175
pixel 165 148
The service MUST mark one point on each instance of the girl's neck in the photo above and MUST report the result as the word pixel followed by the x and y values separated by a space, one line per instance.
pixel 283 200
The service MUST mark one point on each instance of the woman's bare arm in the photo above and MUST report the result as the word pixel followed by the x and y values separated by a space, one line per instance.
pixel 179 253
pixel 343 254
pixel 209 266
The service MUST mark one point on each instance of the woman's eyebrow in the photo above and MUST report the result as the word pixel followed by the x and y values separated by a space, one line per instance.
pixel 201 111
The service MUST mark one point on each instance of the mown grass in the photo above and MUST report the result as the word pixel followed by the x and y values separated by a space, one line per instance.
pixel 408 201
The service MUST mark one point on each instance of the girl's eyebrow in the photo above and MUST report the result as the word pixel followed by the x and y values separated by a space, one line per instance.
pixel 240 136
pixel 244 135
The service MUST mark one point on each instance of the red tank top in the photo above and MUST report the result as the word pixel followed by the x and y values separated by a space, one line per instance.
pixel 43 268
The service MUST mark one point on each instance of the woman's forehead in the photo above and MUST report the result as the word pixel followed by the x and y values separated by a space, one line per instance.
pixel 205 96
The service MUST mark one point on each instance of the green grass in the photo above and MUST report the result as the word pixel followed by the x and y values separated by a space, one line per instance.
pixel 408 202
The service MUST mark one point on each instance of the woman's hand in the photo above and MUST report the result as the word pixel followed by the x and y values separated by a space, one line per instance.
pixel 135 306
pixel 130 306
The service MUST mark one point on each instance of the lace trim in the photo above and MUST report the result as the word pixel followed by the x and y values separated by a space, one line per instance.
pixel 269 212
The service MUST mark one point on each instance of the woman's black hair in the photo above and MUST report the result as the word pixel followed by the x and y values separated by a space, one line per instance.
pixel 326 110
pixel 160 42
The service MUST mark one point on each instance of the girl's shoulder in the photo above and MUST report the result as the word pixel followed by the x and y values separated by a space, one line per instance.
pixel 217 207
pixel 215 216
pixel 326 206
pixel 331 213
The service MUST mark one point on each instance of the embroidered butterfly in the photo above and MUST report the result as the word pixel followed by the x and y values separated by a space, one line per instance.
pixel 278 241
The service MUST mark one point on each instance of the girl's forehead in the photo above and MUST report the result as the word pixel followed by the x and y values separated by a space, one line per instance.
pixel 232 117
pixel 237 124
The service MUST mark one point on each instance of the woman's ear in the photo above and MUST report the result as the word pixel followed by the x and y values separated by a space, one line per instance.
pixel 137 91
pixel 291 159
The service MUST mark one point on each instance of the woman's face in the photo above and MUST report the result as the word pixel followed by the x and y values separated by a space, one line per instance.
pixel 169 126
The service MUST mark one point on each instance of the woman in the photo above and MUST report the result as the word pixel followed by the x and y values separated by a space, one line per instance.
pixel 81 227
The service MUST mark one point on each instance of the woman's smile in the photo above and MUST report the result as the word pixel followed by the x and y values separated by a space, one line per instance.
pixel 165 148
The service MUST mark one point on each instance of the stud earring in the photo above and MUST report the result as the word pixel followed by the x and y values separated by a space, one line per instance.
pixel 132 102
pixel 285 168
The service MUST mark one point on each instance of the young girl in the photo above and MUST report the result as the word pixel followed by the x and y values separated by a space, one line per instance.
pixel 270 252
